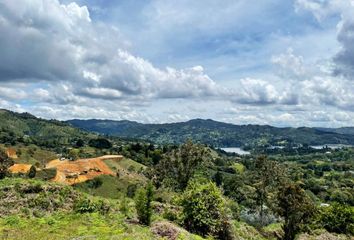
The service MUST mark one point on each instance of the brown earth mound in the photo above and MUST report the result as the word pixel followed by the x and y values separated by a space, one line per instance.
pixel 20 168
pixel 71 172
pixel 166 230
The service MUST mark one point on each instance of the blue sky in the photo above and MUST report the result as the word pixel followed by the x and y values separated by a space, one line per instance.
pixel 278 62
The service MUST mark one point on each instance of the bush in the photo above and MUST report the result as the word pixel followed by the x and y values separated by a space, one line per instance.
pixel 131 190
pixel 95 183
pixel 29 188
pixel 143 206
pixel 100 143
pixel 204 210
pixel 338 218
pixel 171 214
pixel 254 218
pixel 234 209
pixel 32 172
pixel 46 173
pixel 87 205
pixel 124 207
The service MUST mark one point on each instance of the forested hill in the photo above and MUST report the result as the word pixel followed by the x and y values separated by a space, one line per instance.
pixel 215 133
pixel 24 127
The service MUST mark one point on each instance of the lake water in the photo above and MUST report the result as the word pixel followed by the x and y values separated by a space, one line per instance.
pixel 331 146
pixel 236 150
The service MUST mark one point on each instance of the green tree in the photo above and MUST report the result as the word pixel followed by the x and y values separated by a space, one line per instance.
pixel 73 154
pixel 32 172
pixel 143 206
pixel 100 143
pixel 218 178
pixel 338 218
pixel 5 163
pixel 265 177
pixel 204 210
pixel 131 190
pixel 182 163
pixel 295 207
pixel 156 156
pixel 79 143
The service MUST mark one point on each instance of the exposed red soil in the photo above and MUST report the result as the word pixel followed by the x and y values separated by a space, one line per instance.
pixel 20 168
pixel 71 172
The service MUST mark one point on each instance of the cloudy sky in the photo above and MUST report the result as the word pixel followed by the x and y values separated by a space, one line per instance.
pixel 278 62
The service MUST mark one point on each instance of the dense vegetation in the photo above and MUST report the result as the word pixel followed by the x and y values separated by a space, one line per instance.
pixel 173 191
pixel 216 133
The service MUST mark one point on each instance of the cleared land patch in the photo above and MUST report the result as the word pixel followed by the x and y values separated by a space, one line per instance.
pixel 20 168
pixel 72 172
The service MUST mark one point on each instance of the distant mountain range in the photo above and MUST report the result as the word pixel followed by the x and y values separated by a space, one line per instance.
pixel 218 134
pixel 18 125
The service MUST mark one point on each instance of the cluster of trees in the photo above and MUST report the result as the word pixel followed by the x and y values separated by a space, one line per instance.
pixel 261 188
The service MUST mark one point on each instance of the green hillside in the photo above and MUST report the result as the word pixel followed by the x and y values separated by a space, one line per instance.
pixel 33 210
pixel 26 128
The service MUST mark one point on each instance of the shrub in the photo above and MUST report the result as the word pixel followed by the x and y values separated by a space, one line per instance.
pixel 32 172
pixel 254 218
pixel 41 201
pixel 87 205
pixel 95 183
pixel 234 209
pixel 131 190
pixel 131 168
pixel 46 173
pixel 143 206
pixel 124 207
pixel 204 210
pixel 338 218
pixel 29 188
pixel 171 214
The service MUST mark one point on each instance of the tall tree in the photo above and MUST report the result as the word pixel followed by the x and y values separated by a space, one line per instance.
pixel 180 165
pixel 295 207
pixel 143 202
pixel 266 176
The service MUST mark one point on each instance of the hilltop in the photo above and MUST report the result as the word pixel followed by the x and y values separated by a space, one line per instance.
pixel 216 133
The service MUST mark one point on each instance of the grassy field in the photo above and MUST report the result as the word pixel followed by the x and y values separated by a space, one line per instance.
pixel 125 163
pixel 32 154
pixel 112 187
pixel 115 186
pixel 72 226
